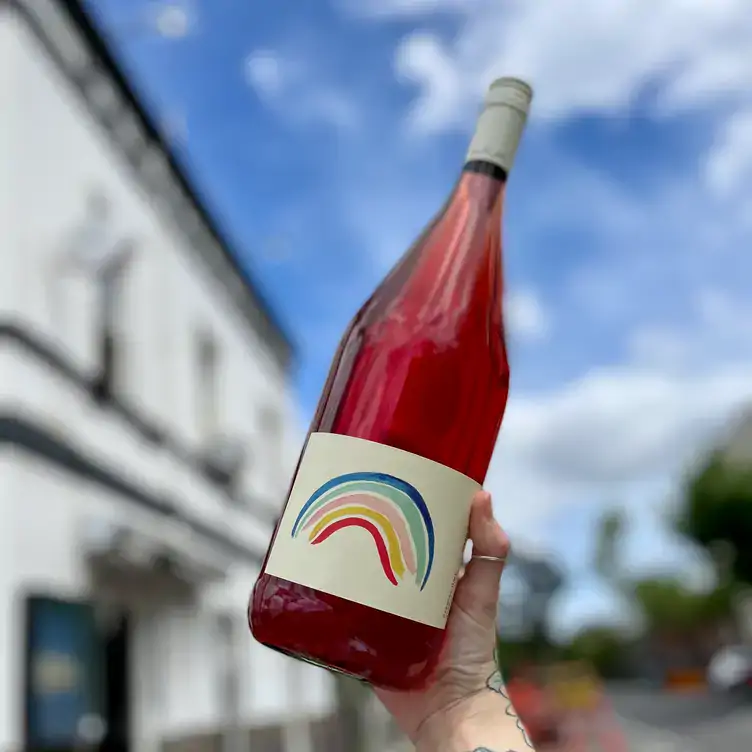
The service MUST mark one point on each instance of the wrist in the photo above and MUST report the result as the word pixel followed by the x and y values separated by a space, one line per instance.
pixel 486 720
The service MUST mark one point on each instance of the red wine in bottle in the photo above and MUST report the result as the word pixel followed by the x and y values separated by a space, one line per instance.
pixel 360 573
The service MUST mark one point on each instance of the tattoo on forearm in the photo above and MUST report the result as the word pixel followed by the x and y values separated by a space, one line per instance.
pixel 495 683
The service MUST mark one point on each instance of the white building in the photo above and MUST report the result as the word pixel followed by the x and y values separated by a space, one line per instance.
pixel 144 421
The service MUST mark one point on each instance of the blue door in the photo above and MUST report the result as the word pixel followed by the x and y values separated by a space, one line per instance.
pixel 64 675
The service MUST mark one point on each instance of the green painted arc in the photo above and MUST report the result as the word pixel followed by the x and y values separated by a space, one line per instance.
pixel 403 502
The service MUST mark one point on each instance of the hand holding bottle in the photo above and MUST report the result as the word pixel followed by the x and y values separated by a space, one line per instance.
pixel 467 707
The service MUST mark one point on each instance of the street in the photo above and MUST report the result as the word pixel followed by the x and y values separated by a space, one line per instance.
pixel 659 722
pixel 655 721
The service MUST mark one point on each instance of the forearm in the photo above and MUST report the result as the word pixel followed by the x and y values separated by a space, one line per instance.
pixel 487 723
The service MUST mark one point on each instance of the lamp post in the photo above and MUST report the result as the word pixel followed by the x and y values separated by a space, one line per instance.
pixel 543 580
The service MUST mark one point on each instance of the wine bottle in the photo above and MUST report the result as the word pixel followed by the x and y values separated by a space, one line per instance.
pixel 360 573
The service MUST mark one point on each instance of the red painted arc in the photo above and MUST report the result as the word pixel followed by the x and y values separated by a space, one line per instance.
pixel 373 530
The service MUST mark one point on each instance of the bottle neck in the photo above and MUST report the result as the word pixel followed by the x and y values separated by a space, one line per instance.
pixel 482 184
pixel 481 167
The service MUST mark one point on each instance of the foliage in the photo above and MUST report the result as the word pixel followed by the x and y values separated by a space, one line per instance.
pixel 669 606
pixel 718 604
pixel 666 604
pixel 717 507
pixel 605 648
pixel 536 649
pixel 602 647
pixel 510 653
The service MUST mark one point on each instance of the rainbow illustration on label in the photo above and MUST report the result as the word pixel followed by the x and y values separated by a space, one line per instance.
pixel 390 509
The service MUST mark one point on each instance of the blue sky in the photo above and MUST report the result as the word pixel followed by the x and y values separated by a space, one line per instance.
pixel 325 133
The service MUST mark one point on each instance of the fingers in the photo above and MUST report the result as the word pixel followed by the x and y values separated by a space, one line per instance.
pixel 485 532
pixel 478 590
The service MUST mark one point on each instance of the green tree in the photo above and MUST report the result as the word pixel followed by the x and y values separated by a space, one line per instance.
pixel 510 653
pixel 670 607
pixel 717 508
pixel 667 604
pixel 605 648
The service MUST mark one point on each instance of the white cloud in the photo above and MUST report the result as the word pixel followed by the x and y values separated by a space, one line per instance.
pixel 729 165
pixel 421 59
pixel 659 346
pixel 329 105
pixel 618 428
pixel 729 319
pixel 718 334
pixel 172 20
pixel 638 423
pixel 525 316
pixel 408 8
pixel 581 55
pixel 293 89
pixel 175 20
pixel 264 72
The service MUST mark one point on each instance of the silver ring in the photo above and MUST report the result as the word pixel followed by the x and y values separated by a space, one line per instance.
pixel 498 559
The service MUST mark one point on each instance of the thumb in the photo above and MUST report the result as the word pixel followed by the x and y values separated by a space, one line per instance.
pixel 478 590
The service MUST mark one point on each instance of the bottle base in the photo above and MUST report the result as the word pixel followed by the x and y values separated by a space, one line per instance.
pixel 376 683
pixel 318 664
pixel 381 649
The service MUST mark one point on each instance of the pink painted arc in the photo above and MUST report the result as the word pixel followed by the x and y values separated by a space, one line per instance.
pixel 378 505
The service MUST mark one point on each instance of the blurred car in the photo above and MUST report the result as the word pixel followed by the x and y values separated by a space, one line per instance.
pixel 533 705
pixel 730 669
pixel 576 686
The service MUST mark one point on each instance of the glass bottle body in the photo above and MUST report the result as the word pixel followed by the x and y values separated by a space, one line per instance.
pixel 422 367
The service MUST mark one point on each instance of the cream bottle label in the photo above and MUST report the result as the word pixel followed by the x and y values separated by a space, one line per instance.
pixel 375 525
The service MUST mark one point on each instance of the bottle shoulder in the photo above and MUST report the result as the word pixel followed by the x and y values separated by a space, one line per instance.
pixel 396 334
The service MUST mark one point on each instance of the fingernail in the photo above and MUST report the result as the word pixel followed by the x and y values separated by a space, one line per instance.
pixel 487 506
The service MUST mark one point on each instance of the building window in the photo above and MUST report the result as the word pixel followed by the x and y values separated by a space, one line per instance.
pixel 95 252
pixel 104 259
pixel 271 431
pixel 228 694
pixel 207 356
pixel 271 435
pixel 110 344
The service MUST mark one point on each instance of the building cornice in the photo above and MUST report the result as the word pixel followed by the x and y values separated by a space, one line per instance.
pixel 53 359
pixel 42 443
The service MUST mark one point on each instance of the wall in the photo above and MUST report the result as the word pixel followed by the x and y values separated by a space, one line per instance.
pixel 9 687
pixel 9 45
